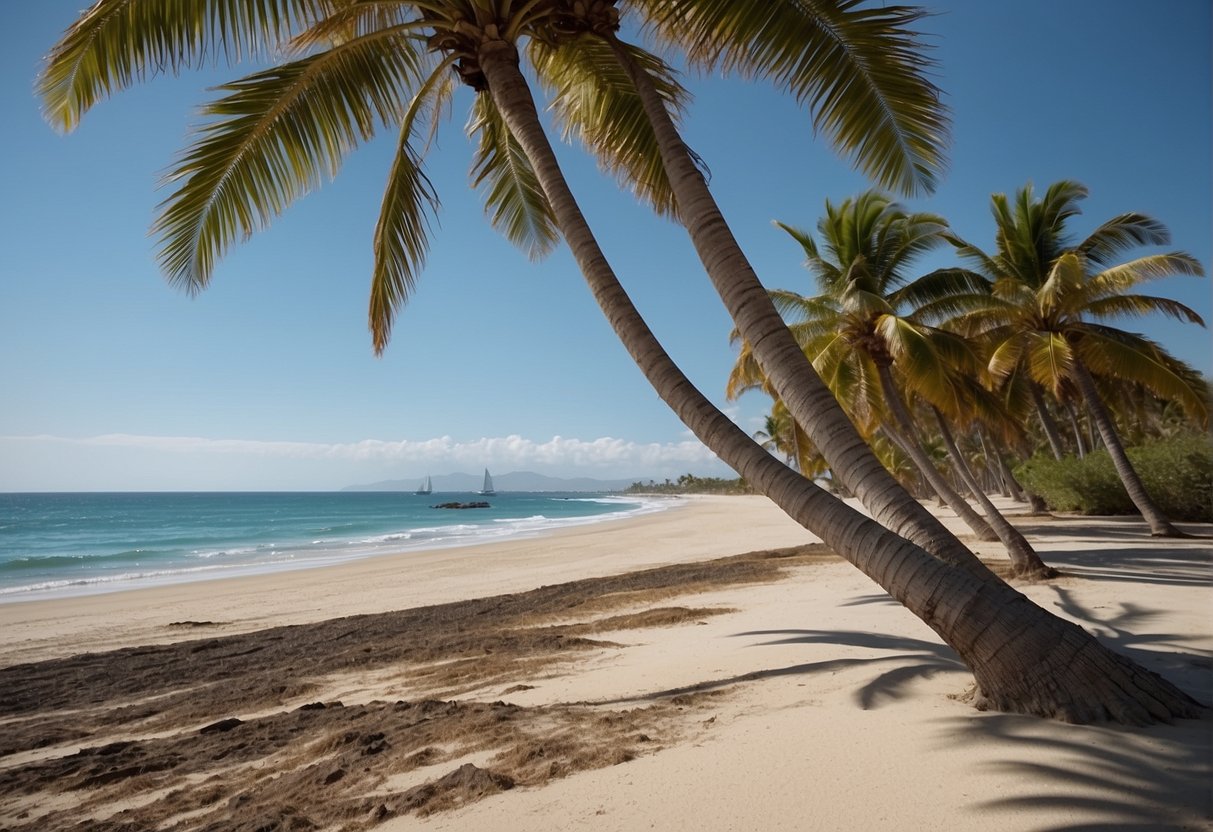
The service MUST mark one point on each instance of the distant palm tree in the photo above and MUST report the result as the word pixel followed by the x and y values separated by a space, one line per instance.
pixel 866 319
pixel 1047 300
pixel 776 436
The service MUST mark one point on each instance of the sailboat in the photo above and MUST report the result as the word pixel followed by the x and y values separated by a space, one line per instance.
pixel 426 487
pixel 487 491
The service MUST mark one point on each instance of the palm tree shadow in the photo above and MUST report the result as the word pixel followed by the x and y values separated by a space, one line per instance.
pixel 915 659
pixel 1124 626
pixel 875 598
pixel 1121 549
pixel 1114 779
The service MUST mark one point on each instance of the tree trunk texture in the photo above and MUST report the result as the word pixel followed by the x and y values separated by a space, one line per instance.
pixel 1160 526
pixel 903 425
pixel 806 396
pixel 1023 658
pixel 1046 421
pixel 1025 563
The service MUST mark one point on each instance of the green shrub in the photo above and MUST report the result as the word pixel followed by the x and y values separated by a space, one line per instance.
pixel 1177 473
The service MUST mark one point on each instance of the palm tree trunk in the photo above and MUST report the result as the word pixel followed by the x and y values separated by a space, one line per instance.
pixel 922 487
pixel 963 469
pixel 1078 443
pixel 903 425
pixel 795 381
pixel 1046 421
pixel 1004 473
pixel 1023 658
pixel 1160 526
pixel 1025 563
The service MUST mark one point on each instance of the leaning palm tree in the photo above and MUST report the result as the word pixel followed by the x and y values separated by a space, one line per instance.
pixel 862 73
pixel 306 112
pixel 867 317
pixel 1048 300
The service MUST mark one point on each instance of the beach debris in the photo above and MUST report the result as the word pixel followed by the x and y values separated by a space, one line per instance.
pixel 463 785
pixel 222 725
pixel 151 767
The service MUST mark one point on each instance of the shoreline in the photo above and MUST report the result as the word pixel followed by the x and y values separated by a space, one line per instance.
pixel 38 629
pixel 644 674
pixel 216 553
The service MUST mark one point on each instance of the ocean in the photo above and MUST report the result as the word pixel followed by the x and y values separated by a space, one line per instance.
pixel 54 545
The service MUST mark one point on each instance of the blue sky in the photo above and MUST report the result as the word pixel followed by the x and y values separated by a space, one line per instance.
pixel 114 381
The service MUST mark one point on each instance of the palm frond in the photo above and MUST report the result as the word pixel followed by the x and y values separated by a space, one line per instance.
pixel 925 359
pixel 826 273
pixel 118 42
pixel 977 259
pixel 1006 357
pixel 1059 203
pixel 946 291
pixel 1121 234
pixel 800 235
pixel 1061 289
pixel 1050 360
pixel 746 375
pixel 1113 353
pixel 906 237
pixel 863 304
pixel 275 136
pixel 349 19
pixel 852 378
pixel 401 240
pixel 596 103
pixel 812 336
pixel 1134 306
pixel 1118 279
pixel 514 200
pixel 861 72
pixel 797 308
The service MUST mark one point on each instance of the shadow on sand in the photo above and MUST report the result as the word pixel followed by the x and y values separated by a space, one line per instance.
pixel 1100 777
pixel 1121 549
pixel 1108 779
pixel 915 659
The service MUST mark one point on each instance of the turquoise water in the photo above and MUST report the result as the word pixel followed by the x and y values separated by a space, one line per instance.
pixel 71 544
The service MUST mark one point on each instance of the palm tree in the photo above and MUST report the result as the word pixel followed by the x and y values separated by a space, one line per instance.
pixel 777 436
pixel 867 319
pixel 1023 658
pixel 863 73
pixel 1047 300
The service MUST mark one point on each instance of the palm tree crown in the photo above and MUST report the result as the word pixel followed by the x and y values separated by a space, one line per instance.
pixel 1050 298
pixel 869 311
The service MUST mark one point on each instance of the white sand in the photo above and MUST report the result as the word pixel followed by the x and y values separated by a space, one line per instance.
pixel 844 719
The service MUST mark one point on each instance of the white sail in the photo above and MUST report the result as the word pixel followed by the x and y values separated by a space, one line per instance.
pixel 426 487
pixel 488 485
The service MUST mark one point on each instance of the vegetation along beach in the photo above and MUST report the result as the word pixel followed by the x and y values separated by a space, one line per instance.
pixel 841 368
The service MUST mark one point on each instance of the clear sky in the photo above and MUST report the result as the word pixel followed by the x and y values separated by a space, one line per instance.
pixel 112 380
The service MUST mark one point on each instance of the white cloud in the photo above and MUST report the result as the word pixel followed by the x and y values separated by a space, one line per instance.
pixel 570 454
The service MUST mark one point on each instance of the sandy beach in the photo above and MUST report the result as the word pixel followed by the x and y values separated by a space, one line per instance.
pixel 711 667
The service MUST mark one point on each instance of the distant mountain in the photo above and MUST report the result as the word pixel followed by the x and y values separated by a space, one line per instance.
pixel 513 481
